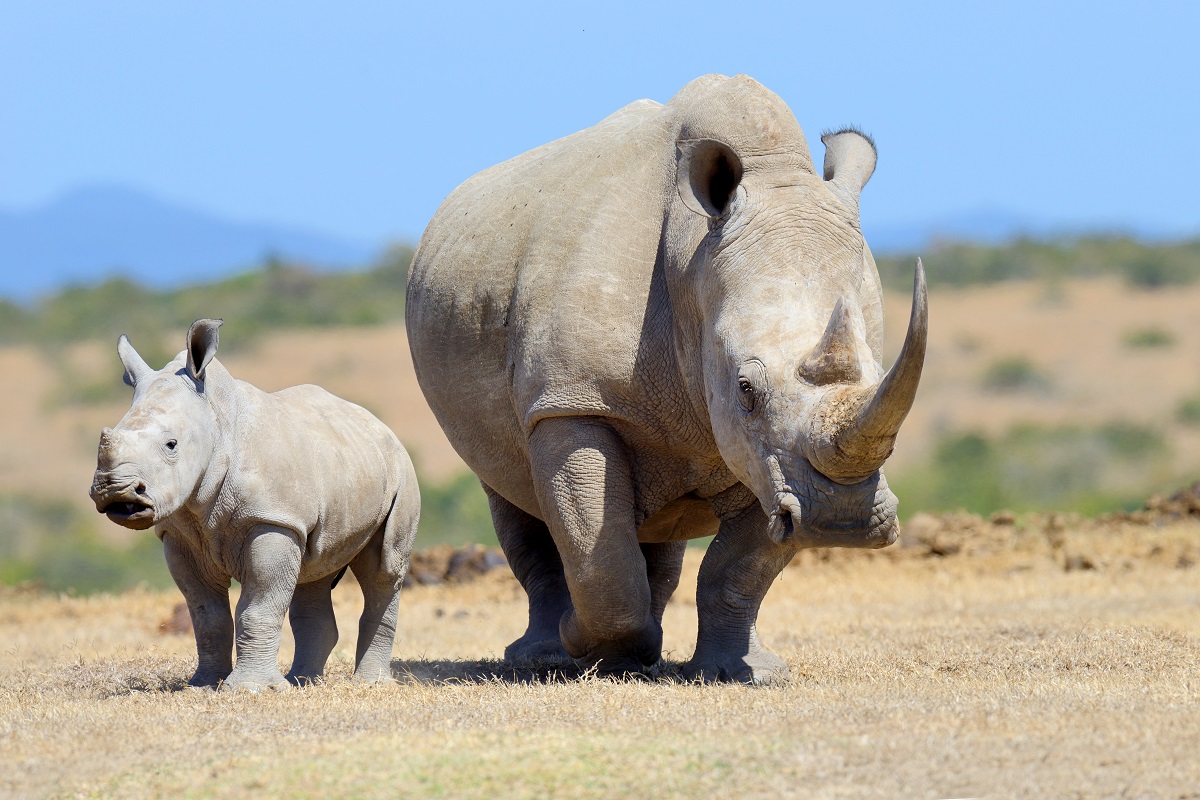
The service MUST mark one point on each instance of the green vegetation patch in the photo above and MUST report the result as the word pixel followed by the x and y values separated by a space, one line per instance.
pixel 58 546
pixel 277 294
pixel 1013 374
pixel 1148 338
pixel 1140 264
pixel 1039 468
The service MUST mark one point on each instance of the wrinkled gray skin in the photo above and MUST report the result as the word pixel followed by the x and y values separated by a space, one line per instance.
pixel 279 490
pixel 660 328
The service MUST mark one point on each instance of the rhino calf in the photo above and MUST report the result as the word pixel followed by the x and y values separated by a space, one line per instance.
pixel 282 491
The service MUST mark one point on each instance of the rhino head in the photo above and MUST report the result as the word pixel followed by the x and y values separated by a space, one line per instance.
pixel 152 462
pixel 801 408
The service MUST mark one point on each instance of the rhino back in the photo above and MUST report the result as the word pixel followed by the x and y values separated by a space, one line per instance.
pixel 322 466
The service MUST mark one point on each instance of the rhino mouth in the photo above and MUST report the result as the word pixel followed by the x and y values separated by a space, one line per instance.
pixel 130 513
pixel 789 524
pixel 128 505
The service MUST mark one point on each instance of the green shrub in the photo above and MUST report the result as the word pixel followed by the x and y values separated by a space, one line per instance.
pixel 454 511
pixel 1147 338
pixel 1188 410
pixel 1013 374
pixel 1035 467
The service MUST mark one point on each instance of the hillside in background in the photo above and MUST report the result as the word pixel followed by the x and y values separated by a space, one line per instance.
pixel 101 231
pixel 1061 376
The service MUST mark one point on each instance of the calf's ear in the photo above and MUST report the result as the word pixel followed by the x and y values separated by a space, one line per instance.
pixel 707 173
pixel 135 366
pixel 201 345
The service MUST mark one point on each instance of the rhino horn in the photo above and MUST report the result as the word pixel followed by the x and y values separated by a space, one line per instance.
pixel 834 359
pixel 857 428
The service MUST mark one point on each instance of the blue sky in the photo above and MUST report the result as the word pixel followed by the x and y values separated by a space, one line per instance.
pixel 358 118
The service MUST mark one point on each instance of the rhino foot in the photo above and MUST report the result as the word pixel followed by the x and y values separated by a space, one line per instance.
pixel 533 648
pixel 254 682
pixel 761 668
pixel 206 680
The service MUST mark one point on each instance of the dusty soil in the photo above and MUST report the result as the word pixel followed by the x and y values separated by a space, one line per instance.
pixel 1041 656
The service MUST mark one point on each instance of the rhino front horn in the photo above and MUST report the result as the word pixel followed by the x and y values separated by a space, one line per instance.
pixel 856 433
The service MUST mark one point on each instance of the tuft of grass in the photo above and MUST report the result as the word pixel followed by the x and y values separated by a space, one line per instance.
pixel 1188 411
pixel 1148 338
pixel 1013 374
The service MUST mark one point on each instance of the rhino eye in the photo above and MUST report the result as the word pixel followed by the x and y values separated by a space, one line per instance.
pixel 171 444
pixel 746 394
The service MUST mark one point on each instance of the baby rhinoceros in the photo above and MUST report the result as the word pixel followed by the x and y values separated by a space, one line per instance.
pixel 281 491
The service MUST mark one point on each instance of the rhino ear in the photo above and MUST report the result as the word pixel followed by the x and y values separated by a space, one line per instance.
pixel 135 367
pixel 849 162
pixel 707 173
pixel 201 345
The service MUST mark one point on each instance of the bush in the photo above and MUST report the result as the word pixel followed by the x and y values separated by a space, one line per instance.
pixel 1034 467
pixel 1188 411
pixel 1147 338
pixel 1013 374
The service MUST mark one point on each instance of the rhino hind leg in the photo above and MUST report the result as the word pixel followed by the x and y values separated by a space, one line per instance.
pixel 585 489
pixel 381 606
pixel 314 628
pixel 739 567
pixel 664 563
pixel 535 562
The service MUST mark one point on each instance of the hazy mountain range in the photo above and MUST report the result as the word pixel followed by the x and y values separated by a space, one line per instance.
pixel 100 231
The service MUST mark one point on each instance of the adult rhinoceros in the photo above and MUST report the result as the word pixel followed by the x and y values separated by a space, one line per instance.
pixel 663 327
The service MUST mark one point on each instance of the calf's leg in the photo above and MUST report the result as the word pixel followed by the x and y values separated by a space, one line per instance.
pixel 270 565
pixel 207 595
pixel 314 628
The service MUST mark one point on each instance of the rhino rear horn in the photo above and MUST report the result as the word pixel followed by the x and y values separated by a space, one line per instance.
pixel 834 359
pixel 135 365
pixel 858 432
pixel 202 340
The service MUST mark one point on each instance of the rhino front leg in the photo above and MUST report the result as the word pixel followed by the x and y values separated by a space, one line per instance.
pixel 741 564
pixel 270 565
pixel 207 597
pixel 314 628
pixel 585 489
pixel 535 562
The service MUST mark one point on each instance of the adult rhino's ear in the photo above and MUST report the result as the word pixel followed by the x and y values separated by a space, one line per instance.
pixel 135 367
pixel 707 173
pixel 201 345
pixel 849 162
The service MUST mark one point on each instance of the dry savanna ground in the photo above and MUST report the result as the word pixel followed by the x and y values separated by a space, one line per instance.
pixel 1053 657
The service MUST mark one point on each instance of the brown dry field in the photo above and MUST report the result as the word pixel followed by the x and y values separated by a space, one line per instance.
pixel 1072 331
pixel 1054 658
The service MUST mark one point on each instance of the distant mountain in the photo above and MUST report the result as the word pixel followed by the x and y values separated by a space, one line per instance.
pixel 95 232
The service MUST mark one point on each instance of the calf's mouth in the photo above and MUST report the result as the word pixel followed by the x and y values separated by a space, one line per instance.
pixel 125 504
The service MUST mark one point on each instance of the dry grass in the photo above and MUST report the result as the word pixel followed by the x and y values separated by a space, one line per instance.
pixel 1039 660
